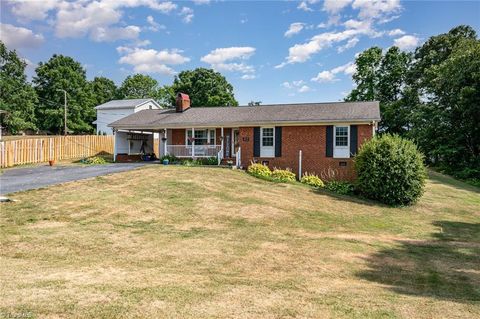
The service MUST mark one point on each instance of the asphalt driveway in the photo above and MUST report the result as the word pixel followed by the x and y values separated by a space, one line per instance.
pixel 21 179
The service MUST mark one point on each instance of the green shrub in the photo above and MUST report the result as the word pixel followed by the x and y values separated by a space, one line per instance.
pixel 94 160
pixel 340 187
pixel 209 161
pixel 283 175
pixel 312 180
pixel 170 158
pixel 390 169
pixel 259 170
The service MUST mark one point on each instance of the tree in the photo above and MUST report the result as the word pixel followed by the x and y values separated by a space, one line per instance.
pixel 367 75
pixel 205 88
pixel 64 73
pixel 382 77
pixel 138 86
pixel 103 90
pixel 445 76
pixel 17 96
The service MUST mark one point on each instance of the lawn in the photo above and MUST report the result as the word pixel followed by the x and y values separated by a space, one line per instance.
pixel 192 242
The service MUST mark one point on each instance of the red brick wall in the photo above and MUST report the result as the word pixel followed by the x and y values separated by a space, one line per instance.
pixel 311 140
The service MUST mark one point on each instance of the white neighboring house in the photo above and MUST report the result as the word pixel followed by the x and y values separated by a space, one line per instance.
pixel 116 109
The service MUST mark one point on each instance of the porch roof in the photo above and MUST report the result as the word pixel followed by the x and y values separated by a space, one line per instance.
pixel 275 114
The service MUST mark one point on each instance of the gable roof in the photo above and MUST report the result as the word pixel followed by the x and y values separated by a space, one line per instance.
pixel 306 113
pixel 125 104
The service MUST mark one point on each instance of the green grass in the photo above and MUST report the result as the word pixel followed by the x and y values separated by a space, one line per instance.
pixel 193 242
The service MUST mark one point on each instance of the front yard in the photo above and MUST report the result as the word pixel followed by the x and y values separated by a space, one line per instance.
pixel 205 242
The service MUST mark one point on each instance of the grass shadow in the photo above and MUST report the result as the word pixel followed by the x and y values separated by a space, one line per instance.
pixel 447 267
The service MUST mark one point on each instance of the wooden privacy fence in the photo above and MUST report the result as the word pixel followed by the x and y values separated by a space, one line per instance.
pixel 37 150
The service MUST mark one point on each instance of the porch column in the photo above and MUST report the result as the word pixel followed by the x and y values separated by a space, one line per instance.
pixel 221 139
pixel 114 146
pixel 165 143
pixel 193 142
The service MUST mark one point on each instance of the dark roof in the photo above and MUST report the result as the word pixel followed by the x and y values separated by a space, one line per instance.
pixel 252 115
pixel 123 104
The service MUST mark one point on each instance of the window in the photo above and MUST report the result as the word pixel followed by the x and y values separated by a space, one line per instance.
pixel 341 136
pixel 202 137
pixel 267 136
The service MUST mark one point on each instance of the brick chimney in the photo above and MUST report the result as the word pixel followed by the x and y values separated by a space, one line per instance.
pixel 183 102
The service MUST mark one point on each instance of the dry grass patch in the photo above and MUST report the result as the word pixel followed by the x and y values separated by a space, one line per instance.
pixel 195 242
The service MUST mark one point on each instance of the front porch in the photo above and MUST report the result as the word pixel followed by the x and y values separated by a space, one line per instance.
pixel 205 142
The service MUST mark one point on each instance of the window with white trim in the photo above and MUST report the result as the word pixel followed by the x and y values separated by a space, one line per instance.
pixel 202 137
pixel 341 141
pixel 267 142
pixel 341 135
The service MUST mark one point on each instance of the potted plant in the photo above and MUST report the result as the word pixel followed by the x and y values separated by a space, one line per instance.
pixel 51 162
pixel 165 161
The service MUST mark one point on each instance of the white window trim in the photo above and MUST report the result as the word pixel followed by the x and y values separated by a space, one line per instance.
pixel 208 135
pixel 347 147
pixel 261 141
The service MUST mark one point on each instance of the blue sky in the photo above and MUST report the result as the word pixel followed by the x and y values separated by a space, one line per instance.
pixel 271 51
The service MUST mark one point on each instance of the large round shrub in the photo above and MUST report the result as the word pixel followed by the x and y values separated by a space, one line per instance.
pixel 390 169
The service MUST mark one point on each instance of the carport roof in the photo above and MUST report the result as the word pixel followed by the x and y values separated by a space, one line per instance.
pixel 305 113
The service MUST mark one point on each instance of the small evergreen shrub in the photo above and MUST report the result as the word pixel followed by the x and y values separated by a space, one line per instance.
pixel 209 161
pixel 312 180
pixel 340 187
pixel 259 170
pixel 390 169
pixel 283 175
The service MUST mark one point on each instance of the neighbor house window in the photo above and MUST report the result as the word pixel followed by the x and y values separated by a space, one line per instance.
pixel 341 142
pixel 267 145
pixel 202 137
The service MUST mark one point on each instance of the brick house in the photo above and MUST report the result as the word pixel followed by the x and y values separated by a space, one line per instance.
pixel 318 138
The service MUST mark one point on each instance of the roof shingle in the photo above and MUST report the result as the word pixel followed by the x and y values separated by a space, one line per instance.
pixel 252 115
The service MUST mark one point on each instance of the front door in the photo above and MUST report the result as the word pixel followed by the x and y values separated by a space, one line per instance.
pixel 235 143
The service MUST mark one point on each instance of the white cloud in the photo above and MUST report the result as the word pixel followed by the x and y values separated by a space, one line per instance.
pixel 330 76
pixel 248 77
pixel 294 29
pixel 304 5
pixel 200 2
pixel 101 34
pixel 335 6
pixel 304 89
pixel 376 9
pixel 395 32
pixel 243 21
pixel 150 60
pixel 299 86
pixel 98 19
pixel 407 42
pixel 18 37
pixel 153 25
pixel 226 59
pixel 350 44
pixel 187 14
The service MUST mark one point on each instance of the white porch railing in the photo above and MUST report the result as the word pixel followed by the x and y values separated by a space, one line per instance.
pixel 199 151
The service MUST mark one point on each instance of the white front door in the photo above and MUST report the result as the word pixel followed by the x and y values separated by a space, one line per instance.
pixel 267 142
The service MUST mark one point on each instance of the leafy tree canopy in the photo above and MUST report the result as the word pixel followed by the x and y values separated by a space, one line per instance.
pixel 17 96
pixel 138 86
pixel 64 73
pixel 205 87
pixel 103 90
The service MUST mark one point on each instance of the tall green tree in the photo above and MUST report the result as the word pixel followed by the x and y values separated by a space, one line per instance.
pixel 205 88
pixel 138 86
pixel 382 77
pixel 17 96
pixel 446 75
pixel 103 90
pixel 64 73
